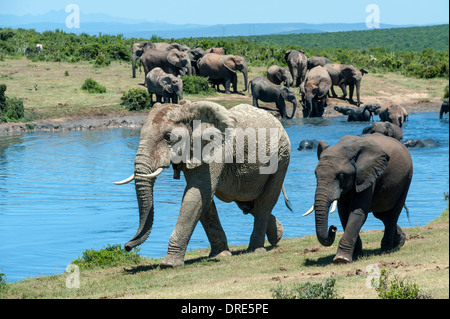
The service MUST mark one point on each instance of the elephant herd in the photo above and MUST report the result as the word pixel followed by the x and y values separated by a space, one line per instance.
pixel 315 76
pixel 370 172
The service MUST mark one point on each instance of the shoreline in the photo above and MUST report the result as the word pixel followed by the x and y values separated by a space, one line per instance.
pixel 80 122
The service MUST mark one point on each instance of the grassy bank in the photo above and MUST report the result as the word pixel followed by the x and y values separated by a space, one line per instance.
pixel 51 90
pixel 423 260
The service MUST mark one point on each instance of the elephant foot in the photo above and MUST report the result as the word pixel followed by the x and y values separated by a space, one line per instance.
pixel 274 231
pixel 400 238
pixel 341 259
pixel 223 253
pixel 259 250
pixel 171 261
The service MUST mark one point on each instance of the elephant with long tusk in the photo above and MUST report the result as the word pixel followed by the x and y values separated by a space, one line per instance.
pixel 222 153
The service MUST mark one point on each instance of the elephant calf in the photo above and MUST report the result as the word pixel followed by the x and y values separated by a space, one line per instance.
pixel 266 91
pixel 315 91
pixel 395 114
pixel 357 114
pixel 385 128
pixel 277 74
pixel 164 85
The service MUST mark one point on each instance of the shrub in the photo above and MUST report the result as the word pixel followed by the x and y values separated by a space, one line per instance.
pixel 112 255
pixel 397 288
pixel 102 60
pixel 92 86
pixel 3 283
pixel 136 100
pixel 307 290
pixel 196 85
pixel 446 92
pixel 11 109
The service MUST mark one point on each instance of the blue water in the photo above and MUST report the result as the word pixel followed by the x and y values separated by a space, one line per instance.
pixel 57 196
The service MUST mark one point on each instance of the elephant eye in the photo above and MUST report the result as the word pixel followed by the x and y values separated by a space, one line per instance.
pixel 167 136
pixel 340 176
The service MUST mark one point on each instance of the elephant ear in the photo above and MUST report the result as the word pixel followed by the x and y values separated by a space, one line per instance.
pixel 173 58
pixel 321 147
pixel 166 83
pixel 230 63
pixel 371 162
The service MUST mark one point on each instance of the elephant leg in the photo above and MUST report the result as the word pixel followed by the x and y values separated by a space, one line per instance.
pixel 342 85
pixel 351 89
pixel 358 211
pixel 227 85
pixel 333 92
pixel 344 213
pixel 234 82
pixel 214 231
pixel 274 230
pixel 255 100
pixel 196 202
pixel 282 108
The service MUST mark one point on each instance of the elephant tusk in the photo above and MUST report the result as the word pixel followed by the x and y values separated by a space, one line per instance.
pixel 125 181
pixel 152 175
pixel 309 211
pixel 333 207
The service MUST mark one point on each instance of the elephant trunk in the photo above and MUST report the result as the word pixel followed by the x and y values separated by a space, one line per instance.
pixel 322 204
pixel 144 193
pixel 245 73
pixel 133 64
pixel 294 102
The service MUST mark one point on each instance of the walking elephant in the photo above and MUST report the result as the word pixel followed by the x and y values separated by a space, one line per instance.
pixel 357 114
pixel 278 75
pixel 343 75
pixel 253 181
pixel 165 86
pixel 315 92
pixel 385 128
pixel 396 114
pixel 298 64
pixel 173 62
pixel 317 60
pixel 222 69
pixel 361 174
pixel 266 91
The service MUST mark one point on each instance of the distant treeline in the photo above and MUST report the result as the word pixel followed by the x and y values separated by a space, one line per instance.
pixel 416 51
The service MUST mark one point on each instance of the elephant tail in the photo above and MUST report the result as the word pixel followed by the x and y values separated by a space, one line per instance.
pixel 407 212
pixel 286 199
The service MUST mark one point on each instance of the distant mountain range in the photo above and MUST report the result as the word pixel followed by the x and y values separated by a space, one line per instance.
pixel 94 24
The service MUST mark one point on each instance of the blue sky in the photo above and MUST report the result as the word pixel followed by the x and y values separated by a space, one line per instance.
pixel 397 12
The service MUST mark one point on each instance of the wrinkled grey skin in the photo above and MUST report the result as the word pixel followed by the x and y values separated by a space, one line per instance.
pixel 253 192
pixel 195 55
pixel 385 128
pixel 343 75
pixel 395 114
pixel 298 64
pixel 317 60
pixel 370 173
pixel 222 69
pixel 364 114
pixel 167 87
pixel 416 143
pixel 220 51
pixel 444 108
pixel 315 92
pixel 173 62
pixel 308 145
pixel 266 91
pixel 278 75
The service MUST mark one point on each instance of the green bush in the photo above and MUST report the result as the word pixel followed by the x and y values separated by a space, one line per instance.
pixel 446 92
pixel 196 85
pixel 92 86
pixel 102 60
pixel 111 256
pixel 11 109
pixel 397 288
pixel 3 283
pixel 307 290
pixel 136 100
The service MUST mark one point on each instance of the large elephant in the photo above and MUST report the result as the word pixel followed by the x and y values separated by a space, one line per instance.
pixel 164 85
pixel 444 108
pixel 278 75
pixel 343 75
pixel 315 90
pixel 361 174
pixel 396 114
pixel 385 128
pixel 136 52
pixel 358 114
pixel 298 64
pixel 173 62
pixel 317 60
pixel 236 173
pixel 220 51
pixel 266 91
pixel 222 69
